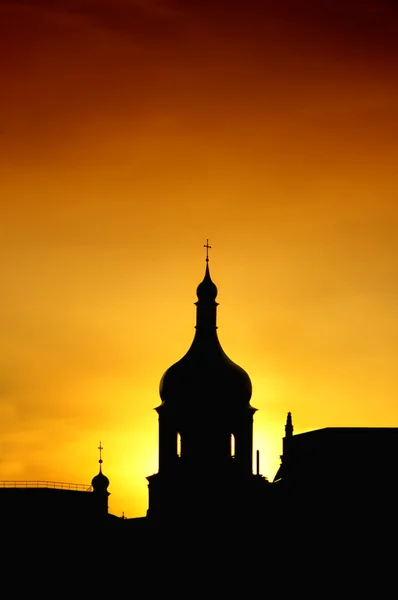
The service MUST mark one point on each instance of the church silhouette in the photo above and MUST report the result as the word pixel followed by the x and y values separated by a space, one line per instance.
pixel 205 429
pixel 330 481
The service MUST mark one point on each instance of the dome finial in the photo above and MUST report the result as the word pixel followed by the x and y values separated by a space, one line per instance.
pixel 100 448
pixel 206 245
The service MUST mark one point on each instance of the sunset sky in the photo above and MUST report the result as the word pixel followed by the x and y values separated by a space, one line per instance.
pixel 131 131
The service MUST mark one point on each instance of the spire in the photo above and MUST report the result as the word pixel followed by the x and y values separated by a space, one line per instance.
pixel 289 425
pixel 206 306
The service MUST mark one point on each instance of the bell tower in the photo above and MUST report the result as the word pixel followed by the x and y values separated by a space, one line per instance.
pixel 205 425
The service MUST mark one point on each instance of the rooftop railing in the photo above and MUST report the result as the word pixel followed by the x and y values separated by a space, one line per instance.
pixel 56 485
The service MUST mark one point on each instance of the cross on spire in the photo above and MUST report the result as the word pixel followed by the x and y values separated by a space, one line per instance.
pixel 206 245
pixel 100 448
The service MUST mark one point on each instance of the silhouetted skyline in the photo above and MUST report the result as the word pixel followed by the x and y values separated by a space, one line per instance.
pixel 131 132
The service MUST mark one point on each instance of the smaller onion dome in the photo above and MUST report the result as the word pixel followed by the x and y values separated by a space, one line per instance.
pixel 100 482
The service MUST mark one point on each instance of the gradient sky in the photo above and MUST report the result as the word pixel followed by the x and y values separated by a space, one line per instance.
pixel 131 131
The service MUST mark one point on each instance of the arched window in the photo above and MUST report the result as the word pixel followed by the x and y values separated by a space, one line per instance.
pixel 232 445
pixel 178 445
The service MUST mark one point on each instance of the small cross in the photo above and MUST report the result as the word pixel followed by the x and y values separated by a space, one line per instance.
pixel 206 245
pixel 100 448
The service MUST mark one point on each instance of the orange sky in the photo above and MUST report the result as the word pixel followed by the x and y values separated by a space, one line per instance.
pixel 131 131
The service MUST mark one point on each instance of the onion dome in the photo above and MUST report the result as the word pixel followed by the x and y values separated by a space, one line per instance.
pixel 205 376
pixel 100 482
